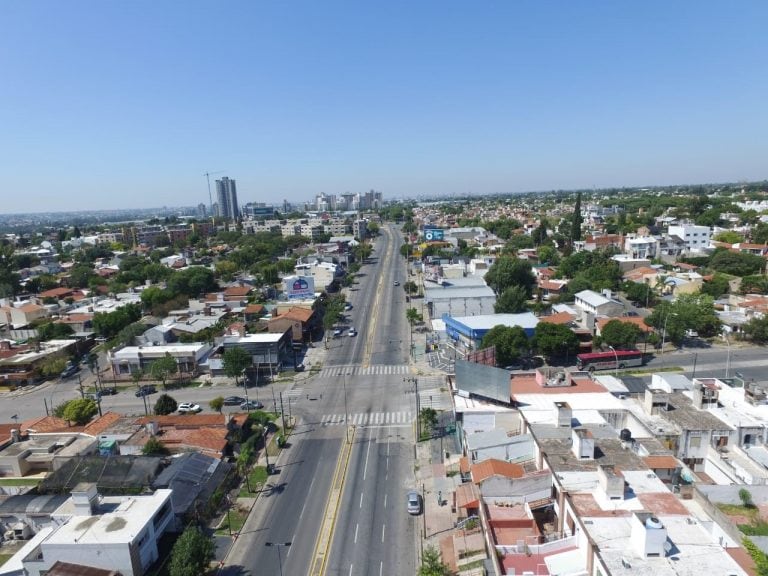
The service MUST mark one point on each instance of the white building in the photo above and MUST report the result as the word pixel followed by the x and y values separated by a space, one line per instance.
pixel 696 238
pixel 110 532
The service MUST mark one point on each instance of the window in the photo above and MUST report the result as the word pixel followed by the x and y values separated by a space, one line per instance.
pixel 695 442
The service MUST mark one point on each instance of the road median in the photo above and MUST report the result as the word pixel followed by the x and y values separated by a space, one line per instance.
pixel 325 535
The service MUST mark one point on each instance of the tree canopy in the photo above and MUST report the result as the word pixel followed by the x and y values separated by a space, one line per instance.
pixel 511 343
pixel 163 368
pixel 512 301
pixel 165 405
pixel 555 340
pixel 620 335
pixel 508 271
pixel 78 411
pixel 688 312
pixel 236 360
pixel 191 554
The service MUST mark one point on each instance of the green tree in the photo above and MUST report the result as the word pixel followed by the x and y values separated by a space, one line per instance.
pixel 736 263
pixel 512 301
pixel 688 312
pixel 236 361
pixel 191 554
pixel 431 565
pixel 154 447
pixel 729 237
pixel 620 334
pixel 746 498
pixel 52 366
pixel 428 419
pixel 511 342
pixel 410 287
pixel 80 411
pixel 641 293
pixel 412 316
pixel 163 368
pixel 165 405
pixel 555 340
pixel 576 220
pixel 507 272
pixel 217 404
pixel 548 255
pixel 756 330
pixel 717 286
pixel 755 284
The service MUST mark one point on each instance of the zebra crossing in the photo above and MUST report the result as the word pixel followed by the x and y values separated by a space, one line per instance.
pixel 369 419
pixel 356 370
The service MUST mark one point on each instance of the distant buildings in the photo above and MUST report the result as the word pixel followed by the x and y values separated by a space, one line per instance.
pixel 226 194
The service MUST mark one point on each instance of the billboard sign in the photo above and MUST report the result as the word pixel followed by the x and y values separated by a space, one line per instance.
pixel 433 234
pixel 299 287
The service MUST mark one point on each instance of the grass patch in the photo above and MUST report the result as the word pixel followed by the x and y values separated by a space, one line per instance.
pixel 4 558
pixel 756 528
pixel 738 510
pixel 651 370
pixel 236 517
pixel 19 481
pixel 257 477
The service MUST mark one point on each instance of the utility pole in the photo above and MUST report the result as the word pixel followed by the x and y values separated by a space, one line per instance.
pixel 282 411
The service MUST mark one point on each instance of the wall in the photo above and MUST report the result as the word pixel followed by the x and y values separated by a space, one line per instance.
pixel 525 489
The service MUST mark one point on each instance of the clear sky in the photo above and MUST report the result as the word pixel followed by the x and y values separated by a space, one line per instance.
pixel 126 103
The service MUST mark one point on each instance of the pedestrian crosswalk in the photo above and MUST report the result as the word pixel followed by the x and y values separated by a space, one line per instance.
pixel 357 370
pixel 369 419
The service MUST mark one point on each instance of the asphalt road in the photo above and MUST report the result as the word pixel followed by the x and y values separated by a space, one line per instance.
pixel 347 390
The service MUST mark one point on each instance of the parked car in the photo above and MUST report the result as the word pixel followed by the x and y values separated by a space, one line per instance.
pixel 414 502
pixel 188 407
pixel 96 397
pixel 108 391
pixel 233 400
pixel 516 366
pixel 70 371
pixel 299 368
pixel 691 334
pixel 145 390
pixel 347 306
pixel 630 314
pixel 337 332
pixel 352 332
pixel 251 405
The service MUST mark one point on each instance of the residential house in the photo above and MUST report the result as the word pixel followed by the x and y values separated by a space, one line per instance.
pixel 590 302
pixel 130 359
pixel 22 314
pixel 300 321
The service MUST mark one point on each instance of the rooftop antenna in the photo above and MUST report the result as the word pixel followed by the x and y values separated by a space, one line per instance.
pixel 208 179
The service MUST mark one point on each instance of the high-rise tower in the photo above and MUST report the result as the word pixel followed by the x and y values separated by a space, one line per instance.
pixel 226 193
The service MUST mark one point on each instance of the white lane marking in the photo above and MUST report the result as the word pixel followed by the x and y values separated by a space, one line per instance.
pixel 357 526
pixel 367 454
pixel 350 569
pixel 385 500
pixel 361 499
pixel 381 567
pixel 383 526
pixel 307 500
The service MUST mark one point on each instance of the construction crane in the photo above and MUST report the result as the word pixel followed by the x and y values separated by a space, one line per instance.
pixel 208 179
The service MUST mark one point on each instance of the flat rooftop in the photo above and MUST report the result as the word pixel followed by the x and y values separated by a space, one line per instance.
pixel 125 518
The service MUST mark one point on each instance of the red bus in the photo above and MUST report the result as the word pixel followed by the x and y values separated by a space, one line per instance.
pixel 609 360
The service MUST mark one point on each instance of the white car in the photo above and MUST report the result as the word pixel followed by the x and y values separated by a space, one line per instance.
pixel 352 332
pixel 337 332
pixel 186 407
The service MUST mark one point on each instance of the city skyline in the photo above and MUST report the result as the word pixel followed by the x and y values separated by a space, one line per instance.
pixel 112 105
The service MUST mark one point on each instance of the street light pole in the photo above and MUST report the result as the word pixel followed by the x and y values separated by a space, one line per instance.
pixel 664 335
pixel 615 355
pixel 278 545
pixel 728 357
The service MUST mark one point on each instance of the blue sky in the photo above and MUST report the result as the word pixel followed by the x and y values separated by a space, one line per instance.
pixel 119 104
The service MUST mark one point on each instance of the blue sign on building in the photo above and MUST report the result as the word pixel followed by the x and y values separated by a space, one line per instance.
pixel 433 234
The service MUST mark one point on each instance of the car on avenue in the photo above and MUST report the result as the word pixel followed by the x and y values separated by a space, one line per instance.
pixel 352 332
pixel 145 390
pixel 347 306
pixel 233 400
pixel 251 405
pixel 70 371
pixel 188 407
pixel 414 502
pixel 397 283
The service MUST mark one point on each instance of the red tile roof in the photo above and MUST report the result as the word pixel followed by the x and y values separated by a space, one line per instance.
pixel 43 424
pixel 559 318
pixel 101 423
pixel 185 420
pixel 296 313
pixel 661 462
pixel 636 320
pixel 493 467
pixel 238 291
pixel 56 293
